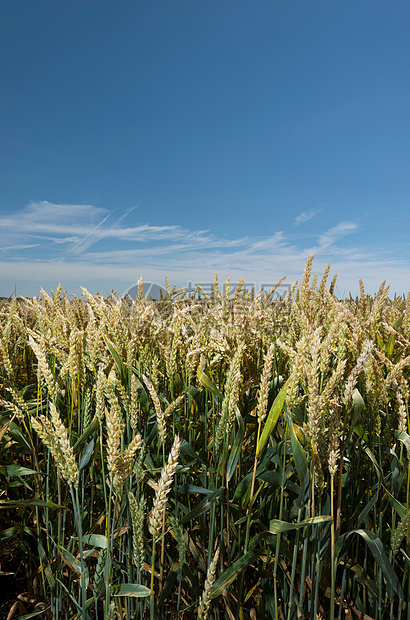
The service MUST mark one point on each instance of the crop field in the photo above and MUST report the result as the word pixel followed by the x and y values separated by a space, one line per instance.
pixel 226 455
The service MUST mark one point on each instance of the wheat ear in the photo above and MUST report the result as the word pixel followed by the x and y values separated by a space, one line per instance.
pixel 164 487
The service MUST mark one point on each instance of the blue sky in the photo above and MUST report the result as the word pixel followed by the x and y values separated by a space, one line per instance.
pixel 148 137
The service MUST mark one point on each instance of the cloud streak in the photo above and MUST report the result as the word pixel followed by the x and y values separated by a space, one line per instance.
pixel 46 243
pixel 335 233
pixel 306 216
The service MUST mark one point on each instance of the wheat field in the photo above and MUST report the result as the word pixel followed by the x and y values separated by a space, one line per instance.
pixel 229 455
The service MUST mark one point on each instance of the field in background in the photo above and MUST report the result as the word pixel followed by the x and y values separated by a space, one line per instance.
pixel 215 456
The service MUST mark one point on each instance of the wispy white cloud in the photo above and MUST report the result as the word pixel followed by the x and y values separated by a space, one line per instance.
pixel 80 226
pixel 306 216
pixel 197 267
pixel 46 218
pixel 335 233
pixel 8 248
pixel 45 243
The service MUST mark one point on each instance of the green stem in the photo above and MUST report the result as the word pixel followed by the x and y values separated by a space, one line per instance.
pixel 109 557
pixel 151 598
pixel 277 550
pixel 294 559
pixel 332 552
pixel 78 523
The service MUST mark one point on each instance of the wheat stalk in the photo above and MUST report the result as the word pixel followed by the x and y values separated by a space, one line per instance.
pixel 163 489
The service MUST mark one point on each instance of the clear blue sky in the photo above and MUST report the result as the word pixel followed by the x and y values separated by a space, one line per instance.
pixel 150 137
